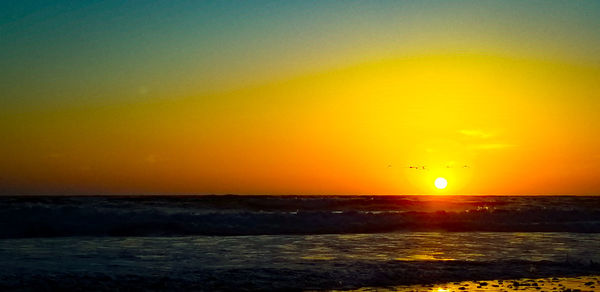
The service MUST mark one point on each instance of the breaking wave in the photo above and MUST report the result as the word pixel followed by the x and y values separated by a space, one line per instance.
pixel 238 215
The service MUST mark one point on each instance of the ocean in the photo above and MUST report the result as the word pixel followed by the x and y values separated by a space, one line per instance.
pixel 291 243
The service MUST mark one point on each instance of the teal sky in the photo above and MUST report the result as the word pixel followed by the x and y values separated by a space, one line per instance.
pixel 56 52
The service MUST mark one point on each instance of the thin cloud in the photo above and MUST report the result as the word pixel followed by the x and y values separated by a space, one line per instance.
pixel 475 133
pixel 491 146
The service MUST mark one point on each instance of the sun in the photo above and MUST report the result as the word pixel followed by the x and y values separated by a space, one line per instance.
pixel 440 183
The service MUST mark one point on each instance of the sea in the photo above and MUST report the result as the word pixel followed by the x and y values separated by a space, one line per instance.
pixel 291 243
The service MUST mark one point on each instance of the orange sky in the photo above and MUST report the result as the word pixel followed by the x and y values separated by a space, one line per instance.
pixel 331 116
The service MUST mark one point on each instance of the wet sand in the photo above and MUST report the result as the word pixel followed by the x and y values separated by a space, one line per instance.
pixel 583 283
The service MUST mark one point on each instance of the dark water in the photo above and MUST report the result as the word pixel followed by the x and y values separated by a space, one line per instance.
pixel 291 243
pixel 238 215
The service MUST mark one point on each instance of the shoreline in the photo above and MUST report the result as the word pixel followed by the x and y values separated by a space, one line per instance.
pixel 580 283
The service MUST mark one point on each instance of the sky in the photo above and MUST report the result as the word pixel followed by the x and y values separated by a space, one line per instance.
pixel 299 97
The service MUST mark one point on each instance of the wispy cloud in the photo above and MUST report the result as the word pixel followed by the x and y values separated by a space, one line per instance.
pixel 476 133
pixel 491 146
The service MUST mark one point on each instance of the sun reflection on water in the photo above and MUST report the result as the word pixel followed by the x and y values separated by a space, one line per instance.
pixel 422 257
pixel 582 283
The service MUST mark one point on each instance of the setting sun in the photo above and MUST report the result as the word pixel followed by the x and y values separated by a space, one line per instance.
pixel 364 145
pixel 441 183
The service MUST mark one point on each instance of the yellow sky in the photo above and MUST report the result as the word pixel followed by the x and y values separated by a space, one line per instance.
pixel 519 126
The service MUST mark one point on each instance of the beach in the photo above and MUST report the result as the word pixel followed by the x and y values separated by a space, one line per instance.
pixel 581 284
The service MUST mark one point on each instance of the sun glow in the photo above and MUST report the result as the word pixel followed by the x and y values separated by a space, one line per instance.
pixel 375 101
pixel 441 183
